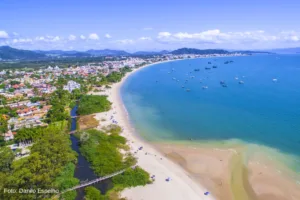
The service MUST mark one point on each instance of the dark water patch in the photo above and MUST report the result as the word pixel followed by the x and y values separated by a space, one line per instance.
pixel 83 171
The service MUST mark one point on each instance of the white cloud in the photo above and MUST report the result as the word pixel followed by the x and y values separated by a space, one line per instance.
pixel 48 38
pixel 295 38
pixel 72 37
pixel 107 35
pixel 3 35
pixel 22 40
pixel 125 41
pixel 93 36
pixel 82 37
pixel 56 38
pixel 163 34
pixel 217 37
pixel 145 38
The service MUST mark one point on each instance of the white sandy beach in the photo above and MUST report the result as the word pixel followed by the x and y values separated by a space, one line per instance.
pixel 180 186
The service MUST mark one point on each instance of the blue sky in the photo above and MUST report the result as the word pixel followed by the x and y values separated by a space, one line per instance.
pixel 134 25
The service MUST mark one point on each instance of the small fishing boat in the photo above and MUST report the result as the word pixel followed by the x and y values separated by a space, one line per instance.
pixel 236 78
pixel 188 90
pixel 182 86
pixel 241 82
pixel 207 68
pixel 222 82
pixel 224 85
pixel 215 66
pixel 204 87
pixel 196 70
pixel 209 63
pixel 274 80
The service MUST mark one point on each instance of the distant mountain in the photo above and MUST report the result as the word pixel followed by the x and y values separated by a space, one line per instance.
pixel 199 51
pixel 62 53
pixel 251 52
pixel 286 50
pixel 107 52
pixel 151 52
pixel 9 53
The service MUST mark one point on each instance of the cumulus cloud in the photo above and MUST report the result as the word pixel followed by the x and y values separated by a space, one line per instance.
pixel 82 37
pixel 218 37
pixel 163 35
pixel 107 35
pixel 4 35
pixel 93 36
pixel 72 37
pixel 145 38
pixel 22 40
pixel 48 38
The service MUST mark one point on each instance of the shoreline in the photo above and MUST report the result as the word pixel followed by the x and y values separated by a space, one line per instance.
pixel 194 178
pixel 181 185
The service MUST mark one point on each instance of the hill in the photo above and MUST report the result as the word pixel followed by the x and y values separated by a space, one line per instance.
pixel 9 53
pixel 151 52
pixel 107 52
pixel 198 51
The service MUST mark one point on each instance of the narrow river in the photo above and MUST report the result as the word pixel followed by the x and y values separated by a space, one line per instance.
pixel 83 171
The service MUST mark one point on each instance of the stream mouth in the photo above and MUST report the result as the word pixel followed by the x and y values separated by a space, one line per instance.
pixel 83 171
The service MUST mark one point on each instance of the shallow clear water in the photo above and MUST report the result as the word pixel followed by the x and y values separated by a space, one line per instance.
pixel 259 111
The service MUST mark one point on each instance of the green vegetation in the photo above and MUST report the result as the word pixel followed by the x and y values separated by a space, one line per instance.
pixel 90 104
pixel 6 158
pixel 92 193
pixel 36 99
pixel 44 168
pixel 29 134
pixel 7 52
pixel 3 124
pixel 132 178
pixel 66 180
pixel 199 51
pixel 53 61
pixel 102 150
pixel 60 100
pixel 117 76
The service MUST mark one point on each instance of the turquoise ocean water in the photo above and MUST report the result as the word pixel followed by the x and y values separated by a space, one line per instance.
pixel 260 111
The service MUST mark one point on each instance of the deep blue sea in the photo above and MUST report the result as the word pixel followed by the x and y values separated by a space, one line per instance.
pixel 260 111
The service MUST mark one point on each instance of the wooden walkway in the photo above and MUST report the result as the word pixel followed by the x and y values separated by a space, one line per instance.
pixel 96 180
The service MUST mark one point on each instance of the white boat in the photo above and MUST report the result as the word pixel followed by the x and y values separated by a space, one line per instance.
pixel 274 80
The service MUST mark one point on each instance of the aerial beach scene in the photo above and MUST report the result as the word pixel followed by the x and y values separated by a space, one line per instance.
pixel 133 100
pixel 211 161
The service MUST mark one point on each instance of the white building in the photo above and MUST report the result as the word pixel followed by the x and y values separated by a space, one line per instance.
pixel 72 85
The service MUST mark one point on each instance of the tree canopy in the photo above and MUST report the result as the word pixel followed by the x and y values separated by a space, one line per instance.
pixel 90 104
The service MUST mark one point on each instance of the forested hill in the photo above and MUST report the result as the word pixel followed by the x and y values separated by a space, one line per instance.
pixel 199 51
pixel 9 53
